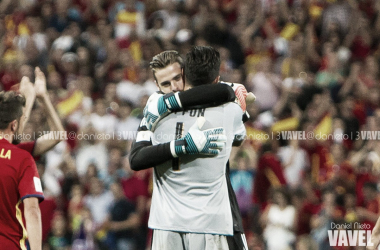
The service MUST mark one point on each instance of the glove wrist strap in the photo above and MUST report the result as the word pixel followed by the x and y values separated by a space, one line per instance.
pixel 178 147
pixel 172 101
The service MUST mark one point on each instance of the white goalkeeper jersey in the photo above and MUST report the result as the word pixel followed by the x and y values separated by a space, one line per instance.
pixel 195 197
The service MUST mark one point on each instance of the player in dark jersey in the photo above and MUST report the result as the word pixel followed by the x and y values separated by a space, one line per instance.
pixel 167 70
pixel 20 186
pixel 46 142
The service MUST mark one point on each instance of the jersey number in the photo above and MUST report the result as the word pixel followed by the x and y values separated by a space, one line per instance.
pixel 178 135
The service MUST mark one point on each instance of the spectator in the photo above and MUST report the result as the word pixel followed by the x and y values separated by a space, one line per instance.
pixel 279 219
pixel 94 151
pixel 266 85
pixel 371 210
pixel 122 220
pixel 126 123
pixel 294 160
pixel 60 237
pixel 321 222
pixel 98 201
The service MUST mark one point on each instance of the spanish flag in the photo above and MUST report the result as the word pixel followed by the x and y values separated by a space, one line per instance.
pixel 71 103
pixel 324 127
pixel 286 124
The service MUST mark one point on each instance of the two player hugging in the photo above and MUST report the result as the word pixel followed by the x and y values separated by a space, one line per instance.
pixel 193 204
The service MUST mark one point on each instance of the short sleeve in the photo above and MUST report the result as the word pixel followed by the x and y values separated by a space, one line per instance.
pixel 28 147
pixel 29 181
pixel 240 131
pixel 239 128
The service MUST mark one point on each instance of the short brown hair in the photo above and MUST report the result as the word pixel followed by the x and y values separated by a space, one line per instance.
pixel 11 105
pixel 164 59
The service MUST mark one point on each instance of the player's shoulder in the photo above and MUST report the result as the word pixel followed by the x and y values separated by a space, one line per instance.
pixel 15 156
pixel 27 146
pixel 154 96
pixel 233 107
pixel 21 151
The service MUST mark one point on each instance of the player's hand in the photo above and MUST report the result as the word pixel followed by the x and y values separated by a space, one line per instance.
pixel 27 89
pixel 158 106
pixel 40 83
pixel 196 141
pixel 240 93
pixel 375 240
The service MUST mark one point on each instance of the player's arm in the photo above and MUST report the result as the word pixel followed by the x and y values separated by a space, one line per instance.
pixel 209 94
pixel 239 129
pixel 375 237
pixel 240 135
pixel 32 215
pixel 28 91
pixel 144 155
pixel 237 141
pixel 30 191
pixel 46 142
pixel 159 105
pixel 132 222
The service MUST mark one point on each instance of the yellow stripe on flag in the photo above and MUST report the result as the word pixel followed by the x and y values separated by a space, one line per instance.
pixel 70 104
pixel 286 124
pixel 19 219
pixel 135 49
pixel 324 128
pixel 126 17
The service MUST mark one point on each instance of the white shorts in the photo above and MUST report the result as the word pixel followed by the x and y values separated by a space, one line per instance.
pixel 169 240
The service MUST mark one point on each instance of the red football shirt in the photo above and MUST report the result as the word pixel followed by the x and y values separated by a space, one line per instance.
pixel 19 179
pixel 29 147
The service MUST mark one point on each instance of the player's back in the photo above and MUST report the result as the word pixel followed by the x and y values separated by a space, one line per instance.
pixel 18 180
pixel 195 197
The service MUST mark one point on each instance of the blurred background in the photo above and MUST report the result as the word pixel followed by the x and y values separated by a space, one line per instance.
pixel 313 65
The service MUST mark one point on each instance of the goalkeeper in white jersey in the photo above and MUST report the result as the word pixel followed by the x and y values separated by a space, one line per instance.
pixel 225 220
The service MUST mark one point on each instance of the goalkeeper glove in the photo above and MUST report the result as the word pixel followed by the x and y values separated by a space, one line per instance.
pixel 158 106
pixel 196 141
pixel 240 93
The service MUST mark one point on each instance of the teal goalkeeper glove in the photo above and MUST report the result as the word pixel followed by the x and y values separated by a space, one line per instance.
pixel 196 141
pixel 158 106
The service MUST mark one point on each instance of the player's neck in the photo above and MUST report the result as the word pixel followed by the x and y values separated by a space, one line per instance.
pixel 7 135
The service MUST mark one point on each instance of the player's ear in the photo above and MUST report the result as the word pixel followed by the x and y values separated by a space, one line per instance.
pixel 216 80
pixel 13 126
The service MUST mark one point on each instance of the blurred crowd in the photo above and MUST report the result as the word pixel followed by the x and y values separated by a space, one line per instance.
pixel 312 64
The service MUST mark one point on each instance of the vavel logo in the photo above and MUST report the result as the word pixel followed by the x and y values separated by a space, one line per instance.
pixel 350 234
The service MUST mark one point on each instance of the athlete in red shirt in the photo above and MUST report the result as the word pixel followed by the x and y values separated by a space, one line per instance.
pixel 20 185
pixel 44 143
